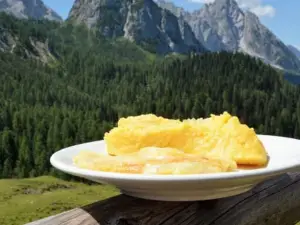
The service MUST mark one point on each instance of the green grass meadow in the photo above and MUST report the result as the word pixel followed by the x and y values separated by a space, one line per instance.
pixel 26 200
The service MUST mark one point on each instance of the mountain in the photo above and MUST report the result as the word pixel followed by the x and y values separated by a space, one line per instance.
pixel 295 50
pixel 224 26
pixel 141 21
pixel 25 9
pixel 177 11
pixel 26 38
pixel 45 41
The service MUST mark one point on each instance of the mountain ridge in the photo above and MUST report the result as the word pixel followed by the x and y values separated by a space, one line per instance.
pixel 224 26
pixel 141 21
pixel 162 27
pixel 25 9
pixel 295 50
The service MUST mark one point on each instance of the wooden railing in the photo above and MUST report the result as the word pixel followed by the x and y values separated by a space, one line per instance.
pixel 275 202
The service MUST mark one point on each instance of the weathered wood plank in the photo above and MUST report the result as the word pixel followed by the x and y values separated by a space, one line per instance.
pixel 275 202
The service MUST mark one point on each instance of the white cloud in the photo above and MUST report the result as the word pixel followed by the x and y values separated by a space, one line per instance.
pixel 255 6
pixel 266 10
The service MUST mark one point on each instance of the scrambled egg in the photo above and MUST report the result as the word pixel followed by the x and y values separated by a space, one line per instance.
pixel 134 133
pixel 220 136
pixel 149 144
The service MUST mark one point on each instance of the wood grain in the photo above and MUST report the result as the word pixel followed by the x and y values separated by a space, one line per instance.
pixel 275 202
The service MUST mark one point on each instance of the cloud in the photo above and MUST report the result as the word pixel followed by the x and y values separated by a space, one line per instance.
pixel 255 6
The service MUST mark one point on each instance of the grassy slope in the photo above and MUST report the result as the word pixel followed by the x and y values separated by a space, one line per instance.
pixel 27 200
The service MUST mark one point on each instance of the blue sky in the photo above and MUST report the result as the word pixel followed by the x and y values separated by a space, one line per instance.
pixel 281 16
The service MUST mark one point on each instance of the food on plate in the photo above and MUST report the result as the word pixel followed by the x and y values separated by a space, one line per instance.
pixel 154 161
pixel 134 133
pixel 149 144
pixel 219 136
pixel 224 135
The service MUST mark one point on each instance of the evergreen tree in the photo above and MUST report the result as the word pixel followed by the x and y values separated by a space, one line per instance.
pixel 24 163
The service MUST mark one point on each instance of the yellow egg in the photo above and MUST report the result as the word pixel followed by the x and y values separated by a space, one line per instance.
pixel 145 131
pixel 221 136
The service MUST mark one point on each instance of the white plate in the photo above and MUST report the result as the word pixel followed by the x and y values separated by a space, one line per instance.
pixel 284 154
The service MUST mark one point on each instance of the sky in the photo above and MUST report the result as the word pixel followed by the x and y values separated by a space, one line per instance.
pixel 282 17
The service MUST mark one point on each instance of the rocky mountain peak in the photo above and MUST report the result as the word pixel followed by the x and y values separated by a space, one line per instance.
pixel 223 5
pixel 177 11
pixel 224 26
pixel 226 3
pixel 224 19
pixel 141 21
pixel 25 9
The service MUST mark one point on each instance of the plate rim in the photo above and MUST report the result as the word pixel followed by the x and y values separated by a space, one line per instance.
pixel 246 174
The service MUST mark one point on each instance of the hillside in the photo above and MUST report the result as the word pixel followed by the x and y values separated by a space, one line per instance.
pixel 49 41
pixel 292 77
pixel 27 200
pixel 160 27
pixel 47 108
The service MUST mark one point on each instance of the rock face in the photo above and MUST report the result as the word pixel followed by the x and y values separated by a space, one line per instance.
pixel 39 50
pixel 177 11
pixel 25 9
pixel 7 41
pixel 259 41
pixel 224 26
pixel 295 50
pixel 141 21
